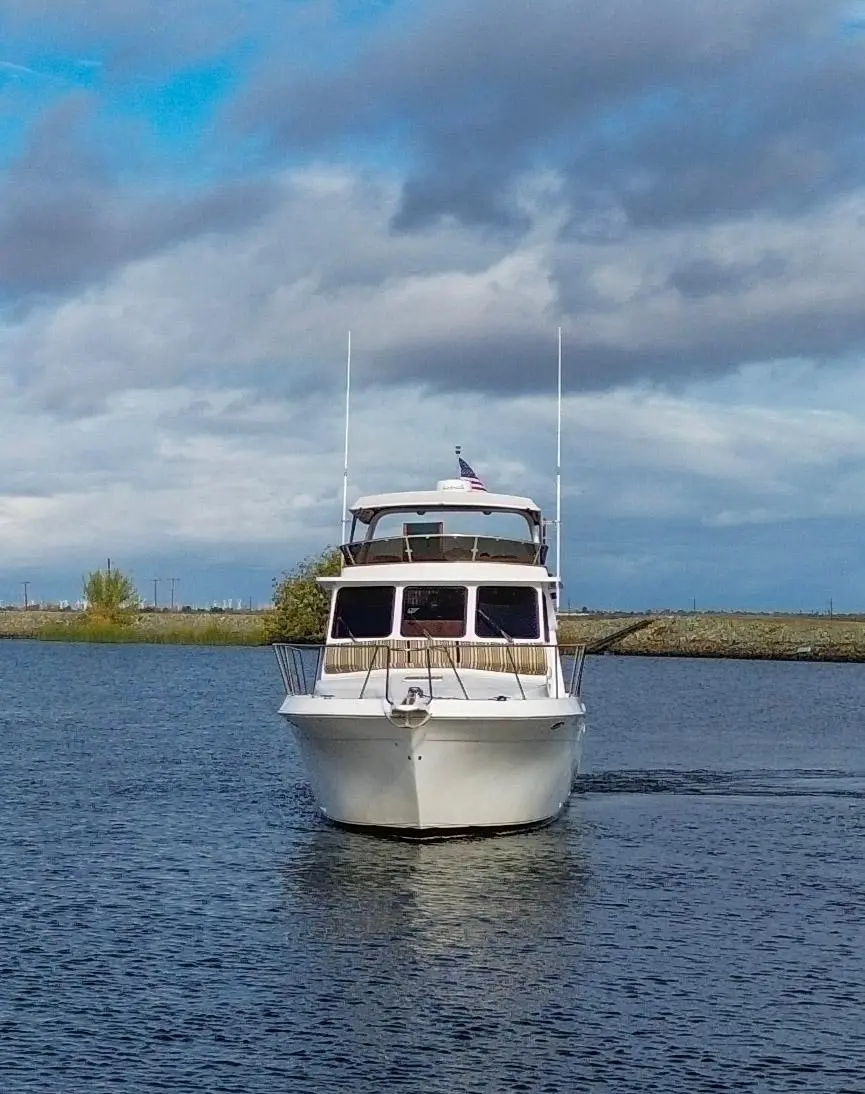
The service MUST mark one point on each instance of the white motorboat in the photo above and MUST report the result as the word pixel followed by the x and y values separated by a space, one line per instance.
pixel 440 700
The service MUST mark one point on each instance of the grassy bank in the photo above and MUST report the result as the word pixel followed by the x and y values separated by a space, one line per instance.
pixel 168 628
pixel 758 637
pixel 776 637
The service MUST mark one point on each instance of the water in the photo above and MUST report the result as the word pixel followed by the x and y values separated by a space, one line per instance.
pixel 175 917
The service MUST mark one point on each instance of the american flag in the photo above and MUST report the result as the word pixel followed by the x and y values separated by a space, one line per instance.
pixel 466 473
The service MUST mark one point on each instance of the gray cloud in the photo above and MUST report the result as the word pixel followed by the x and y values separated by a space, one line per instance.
pixel 774 135
pixel 672 111
pixel 65 222
pixel 496 362
pixel 701 277
pixel 448 309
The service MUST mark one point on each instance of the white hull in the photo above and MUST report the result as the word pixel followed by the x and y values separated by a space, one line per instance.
pixel 468 766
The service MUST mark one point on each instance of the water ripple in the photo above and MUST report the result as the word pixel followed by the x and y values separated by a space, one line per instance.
pixel 793 783
pixel 174 916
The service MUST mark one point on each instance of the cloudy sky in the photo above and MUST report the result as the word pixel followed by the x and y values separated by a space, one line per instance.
pixel 198 198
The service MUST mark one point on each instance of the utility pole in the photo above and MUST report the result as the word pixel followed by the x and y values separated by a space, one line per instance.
pixel 26 601
pixel 173 581
pixel 155 597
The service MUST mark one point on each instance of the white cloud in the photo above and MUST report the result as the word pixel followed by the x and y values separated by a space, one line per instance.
pixel 193 402
pixel 268 307
pixel 204 470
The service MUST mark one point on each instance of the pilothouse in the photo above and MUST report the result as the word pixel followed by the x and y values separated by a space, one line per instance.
pixel 440 700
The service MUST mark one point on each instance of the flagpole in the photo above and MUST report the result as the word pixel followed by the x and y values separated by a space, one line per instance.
pixel 559 471
pixel 345 460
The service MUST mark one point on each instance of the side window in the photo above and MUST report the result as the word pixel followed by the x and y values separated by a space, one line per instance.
pixel 546 617
pixel 437 611
pixel 507 611
pixel 363 611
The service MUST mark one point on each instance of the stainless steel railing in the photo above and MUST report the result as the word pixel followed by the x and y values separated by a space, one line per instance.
pixel 301 666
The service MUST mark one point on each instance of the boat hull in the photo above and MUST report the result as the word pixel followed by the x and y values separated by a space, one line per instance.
pixel 467 767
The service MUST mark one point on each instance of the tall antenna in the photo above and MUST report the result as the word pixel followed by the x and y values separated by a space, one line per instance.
pixel 345 461
pixel 559 472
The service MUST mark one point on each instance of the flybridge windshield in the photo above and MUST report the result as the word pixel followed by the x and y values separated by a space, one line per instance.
pixel 513 526
pixel 436 535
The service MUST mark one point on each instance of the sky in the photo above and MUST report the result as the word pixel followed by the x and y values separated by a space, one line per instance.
pixel 198 199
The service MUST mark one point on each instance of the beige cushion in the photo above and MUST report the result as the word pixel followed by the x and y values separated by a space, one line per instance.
pixel 406 653
pixel 528 660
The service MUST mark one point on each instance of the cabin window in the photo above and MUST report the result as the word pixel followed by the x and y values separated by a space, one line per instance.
pixel 363 611
pixel 507 611
pixel 434 611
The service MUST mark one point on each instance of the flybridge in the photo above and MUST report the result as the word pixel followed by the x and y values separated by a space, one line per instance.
pixel 443 548
pixel 428 540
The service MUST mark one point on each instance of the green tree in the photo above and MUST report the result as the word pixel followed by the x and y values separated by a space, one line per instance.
pixel 300 604
pixel 110 596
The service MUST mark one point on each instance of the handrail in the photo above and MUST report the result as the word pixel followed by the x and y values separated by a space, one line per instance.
pixel 369 670
pixel 576 682
pixel 453 665
pixel 293 667
pixel 429 643
pixel 299 678
pixel 509 648
pixel 444 547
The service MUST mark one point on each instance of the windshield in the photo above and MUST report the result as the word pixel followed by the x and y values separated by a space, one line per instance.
pixel 434 611
pixel 507 611
pixel 476 523
pixel 363 611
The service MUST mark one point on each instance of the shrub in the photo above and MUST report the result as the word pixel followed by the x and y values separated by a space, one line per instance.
pixel 111 596
pixel 300 603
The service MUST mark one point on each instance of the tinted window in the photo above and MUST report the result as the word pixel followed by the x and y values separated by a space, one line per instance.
pixel 506 611
pixel 363 611
pixel 437 611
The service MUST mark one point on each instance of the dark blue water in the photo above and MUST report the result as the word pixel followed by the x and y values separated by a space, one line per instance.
pixel 175 917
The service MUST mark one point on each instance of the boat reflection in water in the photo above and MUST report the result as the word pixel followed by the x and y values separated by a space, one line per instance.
pixel 441 897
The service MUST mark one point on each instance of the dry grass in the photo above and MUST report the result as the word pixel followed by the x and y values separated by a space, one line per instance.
pixel 781 637
pixel 170 628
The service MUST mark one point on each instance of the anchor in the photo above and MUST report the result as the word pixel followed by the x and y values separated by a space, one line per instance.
pixel 412 712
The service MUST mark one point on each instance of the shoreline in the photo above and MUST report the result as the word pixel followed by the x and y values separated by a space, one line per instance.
pixel 740 636
pixel 735 635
